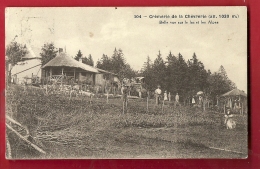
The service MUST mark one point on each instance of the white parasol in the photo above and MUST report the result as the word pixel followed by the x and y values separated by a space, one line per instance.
pixel 200 92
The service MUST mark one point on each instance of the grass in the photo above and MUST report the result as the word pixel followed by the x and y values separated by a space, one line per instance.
pixel 77 128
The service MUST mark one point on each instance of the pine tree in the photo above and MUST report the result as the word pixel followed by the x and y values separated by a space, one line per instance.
pixel 78 56
pixel 90 60
pixel 219 83
pixel 181 76
pixel 48 53
pixel 171 73
pixel 159 72
pixel 222 72
pixel 105 63
pixel 147 65
pixel 116 64
pixel 147 73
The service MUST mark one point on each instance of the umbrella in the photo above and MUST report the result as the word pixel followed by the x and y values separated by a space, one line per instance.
pixel 200 92
pixel 235 92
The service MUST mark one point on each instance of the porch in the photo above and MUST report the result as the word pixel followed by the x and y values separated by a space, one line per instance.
pixel 68 75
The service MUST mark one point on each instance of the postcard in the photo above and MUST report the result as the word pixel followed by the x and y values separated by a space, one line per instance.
pixel 126 82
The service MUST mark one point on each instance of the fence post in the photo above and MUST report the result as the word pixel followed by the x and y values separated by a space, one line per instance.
pixel 175 126
pixel 70 93
pixel 242 110
pixel 163 106
pixel 123 106
pixel 147 104
pixel 107 96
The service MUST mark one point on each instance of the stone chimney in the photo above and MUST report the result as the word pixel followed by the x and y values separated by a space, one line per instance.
pixel 60 50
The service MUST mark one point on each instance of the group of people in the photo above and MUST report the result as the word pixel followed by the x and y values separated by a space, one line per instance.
pixel 166 96
pixel 197 100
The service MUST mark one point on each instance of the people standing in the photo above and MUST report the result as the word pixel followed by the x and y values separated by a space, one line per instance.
pixel 227 115
pixel 193 101
pixel 158 93
pixel 177 98
pixel 165 98
pixel 200 100
pixel 236 106
pixel 169 96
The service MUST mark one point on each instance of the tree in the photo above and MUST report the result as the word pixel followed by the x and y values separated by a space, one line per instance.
pixel 186 78
pixel 118 61
pixel 126 72
pixel 48 53
pixel 171 72
pixel 15 53
pixel 78 56
pixel 197 75
pixel 222 72
pixel 116 64
pixel 105 63
pixel 182 80
pixel 147 65
pixel 88 61
pixel 159 72
pixel 147 73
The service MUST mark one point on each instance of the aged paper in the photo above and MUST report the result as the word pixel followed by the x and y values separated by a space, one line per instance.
pixel 126 82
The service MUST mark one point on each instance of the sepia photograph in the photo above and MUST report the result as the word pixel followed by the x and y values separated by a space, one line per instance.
pixel 126 83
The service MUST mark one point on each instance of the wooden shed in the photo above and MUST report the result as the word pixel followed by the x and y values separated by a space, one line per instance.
pixel 235 99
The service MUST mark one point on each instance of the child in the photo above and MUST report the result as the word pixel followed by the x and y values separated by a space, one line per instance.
pixel 227 115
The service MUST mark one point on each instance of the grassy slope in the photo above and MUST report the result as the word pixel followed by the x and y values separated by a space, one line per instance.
pixel 79 129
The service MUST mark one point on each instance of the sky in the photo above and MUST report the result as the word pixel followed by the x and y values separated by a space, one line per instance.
pixel 99 31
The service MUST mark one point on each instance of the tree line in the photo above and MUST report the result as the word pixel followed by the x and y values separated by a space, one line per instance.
pixel 173 74
pixel 185 77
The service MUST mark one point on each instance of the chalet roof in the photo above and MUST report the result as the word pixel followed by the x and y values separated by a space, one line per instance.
pixel 63 60
pixel 33 53
pixel 235 92
pixel 104 71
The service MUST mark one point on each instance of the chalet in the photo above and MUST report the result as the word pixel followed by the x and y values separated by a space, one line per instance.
pixel 64 67
pixel 28 67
